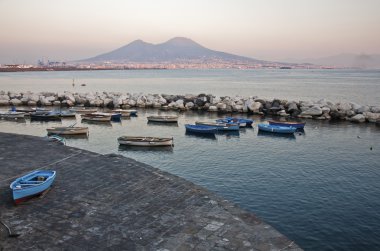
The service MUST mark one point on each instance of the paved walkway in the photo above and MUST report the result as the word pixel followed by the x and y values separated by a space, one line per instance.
pixel 111 202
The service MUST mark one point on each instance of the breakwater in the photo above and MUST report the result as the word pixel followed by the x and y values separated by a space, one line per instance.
pixel 322 109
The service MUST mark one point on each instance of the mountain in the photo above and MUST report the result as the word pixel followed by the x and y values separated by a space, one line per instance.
pixel 175 50
pixel 364 61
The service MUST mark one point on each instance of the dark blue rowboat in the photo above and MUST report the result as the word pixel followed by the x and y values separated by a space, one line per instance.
pixel 220 126
pixel 241 121
pixel 276 129
pixel 200 129
pixel 44 116
pixel 31 184
pixel 298 125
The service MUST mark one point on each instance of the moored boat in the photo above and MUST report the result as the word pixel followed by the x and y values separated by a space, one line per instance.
pixel 163 118
pixel 241 121
pixel 96 117
pixel 145 141
pixel 220 126
pixel 12 115
pixel 276 129
pixel 31 184
pixel 298 125
pixel 44 116
pixel 200 129
pixel 83 110
pixel 124 113
pixel 67 130
pixel 114 116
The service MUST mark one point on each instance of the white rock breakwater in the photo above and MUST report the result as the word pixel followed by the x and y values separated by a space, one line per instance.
pixel 322 109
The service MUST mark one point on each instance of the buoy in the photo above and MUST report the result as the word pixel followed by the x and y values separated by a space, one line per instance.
pixel 370 148
pixel 358 137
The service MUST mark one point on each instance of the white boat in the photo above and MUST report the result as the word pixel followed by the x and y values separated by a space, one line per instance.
pixel 145 141
pixel 83 110
pixel 165 119
pixel 124 113
pixel 96 117
pixel 67 130
pixel 12 115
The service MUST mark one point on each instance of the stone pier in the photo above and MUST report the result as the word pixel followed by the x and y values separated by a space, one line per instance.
pixel 110 202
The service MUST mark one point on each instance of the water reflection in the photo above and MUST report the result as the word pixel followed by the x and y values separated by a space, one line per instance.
pixel 152 123
pixel 229 134
pixel 289 136
pixel 201 135
pixel 17 120
pixel 166 149
pixel 97 123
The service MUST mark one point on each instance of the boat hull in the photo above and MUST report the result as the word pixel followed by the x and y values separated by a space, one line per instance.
pixel 26 187
pixel 145 141
pixel 12 115
pixel 44 117
pixel 298 125
pixel 202 129
pixel 276 129
pixel 67 130
pixel 220 126
pixel 96 117
pixel 163 119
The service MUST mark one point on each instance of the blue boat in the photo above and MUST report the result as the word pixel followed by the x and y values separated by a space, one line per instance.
pixel 31 184
pixel 220 126
pixel 276 129
pixel 298 125
pixel 200 129
pixel 241 121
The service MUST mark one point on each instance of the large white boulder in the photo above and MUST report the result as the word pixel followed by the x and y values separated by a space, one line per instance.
pixel 359 118
pixel 312 111
pixel 372 117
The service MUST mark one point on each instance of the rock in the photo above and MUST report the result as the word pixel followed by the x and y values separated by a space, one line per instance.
pixel 372 117
pixel 189 98
pixel 200 101
pixel 32 103
pixel 362 109
pixel 325 110
pixel 215 100
pixel 131 103
pixel 375 109
pixel 312 111
pixel 255 107
pixel 221 106
pixel 57 103
pixel 4 102
pixel 15 102
pixel 283 113
pixel 344 107
pixel 4 97
pixel 69 96
pixel 213 108
pixel 293 107
pixel 189 105
pixel 359 118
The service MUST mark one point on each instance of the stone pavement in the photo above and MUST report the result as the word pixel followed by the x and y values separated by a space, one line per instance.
pixel 109 202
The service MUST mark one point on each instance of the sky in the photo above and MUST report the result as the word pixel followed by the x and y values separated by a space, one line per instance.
pixel 263 29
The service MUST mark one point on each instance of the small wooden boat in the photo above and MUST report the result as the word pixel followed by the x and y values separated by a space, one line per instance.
pixel 145 141
pixel 32 184
pixel 44 116
pixel 124 113
pixel 241 121
pixel 276 129
pixel 67 130
pixel 96 117
pixel 12 115
pixel 200 129
pixel 298 125
pixel 220 126
pixel 132 112
pixel 164 119
pixel 114 116
pixel 83 110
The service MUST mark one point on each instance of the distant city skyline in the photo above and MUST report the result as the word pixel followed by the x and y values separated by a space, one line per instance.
pixel 268 29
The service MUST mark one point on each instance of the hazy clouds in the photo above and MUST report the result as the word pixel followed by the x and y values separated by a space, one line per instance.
pixel 265 29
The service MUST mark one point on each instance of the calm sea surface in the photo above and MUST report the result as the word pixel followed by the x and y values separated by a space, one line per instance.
pixel 361 87
pixel 320 188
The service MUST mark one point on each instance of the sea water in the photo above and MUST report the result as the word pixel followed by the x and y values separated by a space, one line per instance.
pixel 319 187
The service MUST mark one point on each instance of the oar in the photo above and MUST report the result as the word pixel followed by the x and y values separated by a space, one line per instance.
pixel 73 124
pixel 10 234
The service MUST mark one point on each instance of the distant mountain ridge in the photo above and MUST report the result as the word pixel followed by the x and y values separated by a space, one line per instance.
pixel 178 49
pixel 349 60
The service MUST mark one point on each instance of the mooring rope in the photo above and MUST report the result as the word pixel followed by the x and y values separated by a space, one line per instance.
pixel 68 157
